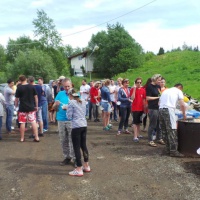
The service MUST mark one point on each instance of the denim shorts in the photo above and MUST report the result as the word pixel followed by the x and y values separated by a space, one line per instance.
pixel 106 106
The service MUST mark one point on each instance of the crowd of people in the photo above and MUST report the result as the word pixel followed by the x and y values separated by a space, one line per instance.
pixel 101 101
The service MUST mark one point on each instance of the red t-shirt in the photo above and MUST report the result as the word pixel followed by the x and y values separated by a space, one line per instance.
pixel 93 92
pixel 138 102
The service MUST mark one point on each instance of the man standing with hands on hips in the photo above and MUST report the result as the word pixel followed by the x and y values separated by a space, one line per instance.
pixel 168 101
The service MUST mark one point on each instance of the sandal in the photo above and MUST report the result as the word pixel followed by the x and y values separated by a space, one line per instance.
pixel 152 144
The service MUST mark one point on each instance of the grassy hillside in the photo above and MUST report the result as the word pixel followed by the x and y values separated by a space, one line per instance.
pixel 177 67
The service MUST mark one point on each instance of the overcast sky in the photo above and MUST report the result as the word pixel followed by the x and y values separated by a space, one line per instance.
pixel 161 23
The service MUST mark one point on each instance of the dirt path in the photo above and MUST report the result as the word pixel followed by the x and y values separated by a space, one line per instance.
pixel 121 169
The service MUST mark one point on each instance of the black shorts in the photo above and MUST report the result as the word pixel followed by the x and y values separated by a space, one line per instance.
pixel 137 117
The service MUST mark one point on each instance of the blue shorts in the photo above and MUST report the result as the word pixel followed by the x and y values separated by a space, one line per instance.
pixel 106 106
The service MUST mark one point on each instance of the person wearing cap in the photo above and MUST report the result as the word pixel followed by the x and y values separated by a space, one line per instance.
pixel 84 91
pixel 59 84
pixel 64 124
pixel 76 111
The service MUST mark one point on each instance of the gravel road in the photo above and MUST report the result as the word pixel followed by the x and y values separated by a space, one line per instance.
pixel 121 169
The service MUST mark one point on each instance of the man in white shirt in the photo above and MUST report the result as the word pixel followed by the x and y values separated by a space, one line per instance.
pixel 84 91
pixel 113 91
pixel 167 118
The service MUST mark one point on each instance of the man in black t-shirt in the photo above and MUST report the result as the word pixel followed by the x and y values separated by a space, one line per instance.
pixel 28 106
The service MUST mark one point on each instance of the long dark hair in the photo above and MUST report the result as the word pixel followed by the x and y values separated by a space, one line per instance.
pixel 147 83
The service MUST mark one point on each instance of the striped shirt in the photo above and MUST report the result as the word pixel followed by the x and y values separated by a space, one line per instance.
pixel 76 113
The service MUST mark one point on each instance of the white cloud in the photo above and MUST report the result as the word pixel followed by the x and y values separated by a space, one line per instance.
pixel 151 36
pixel 40 3
pixel 93 3
pixel 80 39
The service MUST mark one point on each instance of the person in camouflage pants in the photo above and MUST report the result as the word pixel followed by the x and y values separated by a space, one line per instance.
pixel 167 118
pixel 169 134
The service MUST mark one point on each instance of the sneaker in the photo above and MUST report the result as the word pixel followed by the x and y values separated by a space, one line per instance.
pixel 109 126
pixel 41 135
pixel 106 128
pixel 66 161
pixel 119 133
pixel 87 169
pixel 75 172
pixel 177 154
pixel 161 142
pixel 136 140
pixel 152 144
pixel 45 130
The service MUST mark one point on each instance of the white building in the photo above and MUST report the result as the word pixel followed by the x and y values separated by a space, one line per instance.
pixel 82 59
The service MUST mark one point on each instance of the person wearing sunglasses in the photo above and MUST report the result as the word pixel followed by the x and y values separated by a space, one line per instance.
pixel 125 106
pixel 138 95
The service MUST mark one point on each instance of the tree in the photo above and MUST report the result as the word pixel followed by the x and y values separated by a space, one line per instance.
pixel 46 30
pixel 23 43
pixel 118 51
pixel 196 48
pixel 161 51
pixel 60 61
pixel 2 58
pixel 185 47
pixel 35 63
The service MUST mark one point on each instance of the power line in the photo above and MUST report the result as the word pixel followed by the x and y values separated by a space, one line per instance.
pixel 92 26
pixel 110 20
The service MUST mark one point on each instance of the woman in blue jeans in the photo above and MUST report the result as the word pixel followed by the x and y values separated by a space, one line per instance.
pixel 106 105
pixel 125 106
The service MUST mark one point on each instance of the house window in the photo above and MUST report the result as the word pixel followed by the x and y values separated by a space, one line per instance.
pixel 80 57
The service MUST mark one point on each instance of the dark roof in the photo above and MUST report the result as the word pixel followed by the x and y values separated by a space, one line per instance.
pixel 84 54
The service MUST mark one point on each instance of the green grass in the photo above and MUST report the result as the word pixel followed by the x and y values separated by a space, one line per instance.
pixel 77 81
pixel 176 67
